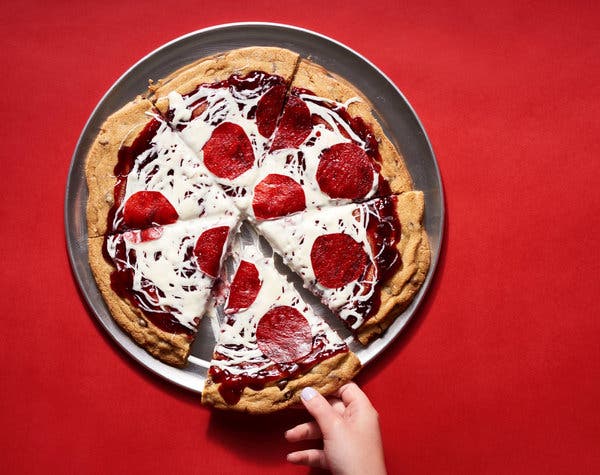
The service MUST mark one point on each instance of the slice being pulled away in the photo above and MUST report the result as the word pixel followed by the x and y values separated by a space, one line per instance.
pixel 364 260
pixel 271 344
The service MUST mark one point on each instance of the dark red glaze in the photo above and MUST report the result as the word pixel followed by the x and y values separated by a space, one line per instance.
pixel 294 126
pixel 145 209
pixel 128 155
pixel 283 335
pixel 337 260
pixel 244 287
pixel 228 152
pixel 268 109
pixel 126 159
pixel 345 171
pixel 209 249
pixel 277 195
pixel 254 84
pixel 383 233
pixel 231 386
pixel 121 281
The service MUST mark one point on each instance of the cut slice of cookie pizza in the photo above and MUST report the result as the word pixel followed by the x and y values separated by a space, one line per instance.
pixel 271 344
pixel 141 174
pixel 364 260
pixel 327 149
pixel 157 281
pixel 226 107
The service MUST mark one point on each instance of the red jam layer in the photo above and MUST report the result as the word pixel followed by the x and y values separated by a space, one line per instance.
pixel 232 386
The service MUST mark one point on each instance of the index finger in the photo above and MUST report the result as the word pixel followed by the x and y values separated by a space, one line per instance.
pixel 351 393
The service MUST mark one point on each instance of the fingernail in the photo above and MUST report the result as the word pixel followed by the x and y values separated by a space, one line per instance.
pixel 308 393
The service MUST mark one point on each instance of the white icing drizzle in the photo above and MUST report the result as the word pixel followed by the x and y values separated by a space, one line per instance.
pixel 293 237
pixel 172 169
pixel 225 104
pixel 168 267
pixel 301 163
pixel 237 345
pixel 174 166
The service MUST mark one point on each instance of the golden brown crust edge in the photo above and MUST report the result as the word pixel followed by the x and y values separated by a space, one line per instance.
pixel 399 290
pixel 278 61
pixel 326 84
pixel 169 348
pixel 119 129
pixel 326 377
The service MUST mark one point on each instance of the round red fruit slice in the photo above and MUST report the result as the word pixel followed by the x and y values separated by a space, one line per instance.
pixel 277 195
pixel 244 288
pixel 145 209
pixel 345 171
pixel 268 108
pixel 283 335
pixel 337 260
pixel 209 249
pixel 294 126
pixel 228 152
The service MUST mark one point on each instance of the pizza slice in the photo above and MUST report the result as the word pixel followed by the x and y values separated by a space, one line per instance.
pixel 226 108
pixel 327 149
pixel 157 281
pixel 271 344
pixel 141 174
pixel 364 260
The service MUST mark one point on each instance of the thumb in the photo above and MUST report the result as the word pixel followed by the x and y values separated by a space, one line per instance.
pixel 319 408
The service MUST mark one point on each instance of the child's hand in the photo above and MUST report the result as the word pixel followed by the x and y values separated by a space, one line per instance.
pixel 349 427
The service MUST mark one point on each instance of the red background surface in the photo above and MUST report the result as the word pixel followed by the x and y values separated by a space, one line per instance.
pixel 500 370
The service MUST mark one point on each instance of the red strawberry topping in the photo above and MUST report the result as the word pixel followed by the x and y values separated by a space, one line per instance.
pixel 145 209
pixel 295 125
pixel 228 152
pixel 337 260
pixel 209 249
pixel 345 171
pixel 268 108
pixel 277 195
pixel 283 335
pixel 244 288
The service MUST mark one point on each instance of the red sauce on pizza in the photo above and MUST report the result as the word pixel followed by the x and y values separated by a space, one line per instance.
pixel 231 386
pixel 383 234
pixel 269 87
pixel 127 156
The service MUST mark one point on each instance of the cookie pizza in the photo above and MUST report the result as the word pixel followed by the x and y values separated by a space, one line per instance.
pixel 262 140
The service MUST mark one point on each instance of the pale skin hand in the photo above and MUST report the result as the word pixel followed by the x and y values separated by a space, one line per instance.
pixel 349 426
